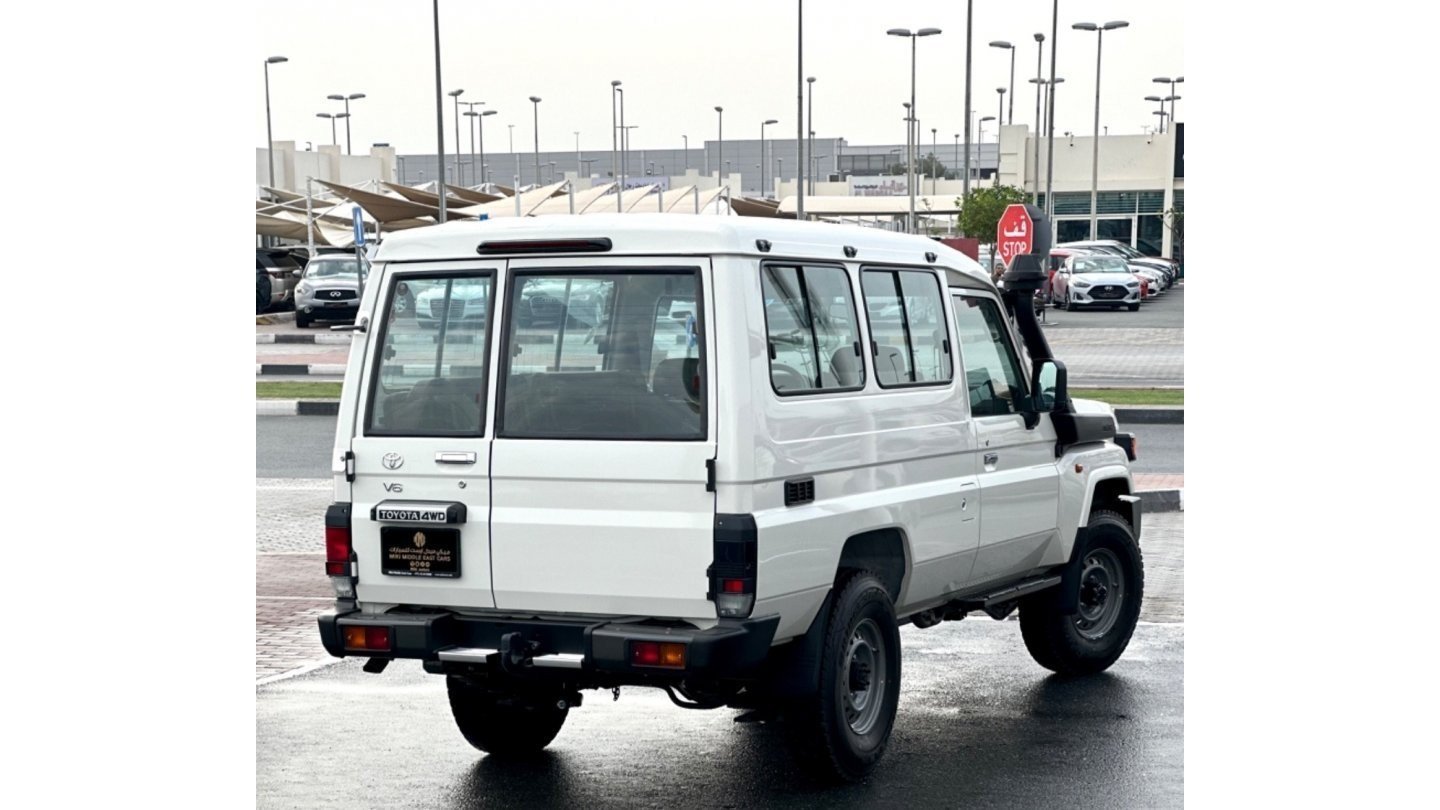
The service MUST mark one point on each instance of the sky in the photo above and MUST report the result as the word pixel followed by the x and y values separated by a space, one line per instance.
pixel 678 60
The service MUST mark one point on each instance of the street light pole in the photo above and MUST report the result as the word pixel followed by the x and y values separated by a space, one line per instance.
pixel 1173 98
pixel 800 110
pixel 1038 81
pixel 969 32
pixel 933 150
pixel 624 159
pixel 1161 113
pixel 810 131
pixel 764 124
pixel 579 167
pixel 996 119
pixel 483 165
pixel 269 134
pixel 535 100
pixel 1095 149
pixel 455 94
pixel 615 148
pixel 720 147
pixel 334 139
pixel 439 112
pixel 347 100
pixel 1050 112
pixel 910 157
pixel 1012 49
pixel 686 138
pixel 470 113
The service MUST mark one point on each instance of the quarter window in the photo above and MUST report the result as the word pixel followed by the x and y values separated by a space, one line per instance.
pixel 992 371
pixel 811 329
pixel 908 338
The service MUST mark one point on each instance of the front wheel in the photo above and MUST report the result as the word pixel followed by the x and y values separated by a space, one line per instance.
pixel 302 321
pixel 1069 304
pixel 1111 584
pixel 839 732
pixel 1134 307
pixel 504 724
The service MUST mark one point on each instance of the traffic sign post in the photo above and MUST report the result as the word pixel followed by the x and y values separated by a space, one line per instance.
pixel 360 251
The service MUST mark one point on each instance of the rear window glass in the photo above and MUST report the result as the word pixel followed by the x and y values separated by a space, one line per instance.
pixel 908 340
pixel 430 376
pixel 604 355
pixel 811 329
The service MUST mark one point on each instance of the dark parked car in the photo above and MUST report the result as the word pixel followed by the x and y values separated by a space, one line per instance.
pixel 276 274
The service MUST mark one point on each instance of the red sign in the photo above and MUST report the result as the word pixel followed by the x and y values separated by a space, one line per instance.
pixel 1015 234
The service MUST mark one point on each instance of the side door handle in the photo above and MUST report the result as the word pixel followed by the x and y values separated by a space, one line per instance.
pixel 452 457
pixel 991 459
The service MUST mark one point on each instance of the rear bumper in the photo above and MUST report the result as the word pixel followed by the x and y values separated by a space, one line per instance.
pixel 734 648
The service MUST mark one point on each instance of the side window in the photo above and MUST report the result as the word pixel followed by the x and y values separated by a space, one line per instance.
pixel 907 327
pixel 430 375
pixel 992 371
pixel 810 323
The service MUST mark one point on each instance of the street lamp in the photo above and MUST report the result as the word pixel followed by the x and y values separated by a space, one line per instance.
pixel 347 100
pixel 957 150
pixel 455 94
pixel 1173 98
pixel 439 110
pixel 1162 115
pixel 933 160
pixel 1162 109
pixel 910 183
pixel 1095 151
pixel 981 146
pixel 334 139
pixel 764 124
pixel 624 158
pixel 269 136
pixel 481 126
pixel 1037 81
pixel 535 100
pixel 810 115
pixel 686 138
pixel 470 113
pixel 720 145
pixel 614 148
pixel 1000 117
pixel 1012 49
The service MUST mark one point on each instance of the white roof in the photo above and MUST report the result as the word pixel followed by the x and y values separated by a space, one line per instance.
pixel 667 235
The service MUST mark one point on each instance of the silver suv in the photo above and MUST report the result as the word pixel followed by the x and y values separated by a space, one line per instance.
pixel 329 289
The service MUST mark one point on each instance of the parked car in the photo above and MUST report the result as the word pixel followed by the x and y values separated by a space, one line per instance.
pixel 1118 248
pixel 735 488
pixel 278 267
pixel 1093 280
pixel 329 289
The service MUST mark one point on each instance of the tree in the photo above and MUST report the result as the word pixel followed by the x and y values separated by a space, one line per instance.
pixel 980 210
pixel 1175 220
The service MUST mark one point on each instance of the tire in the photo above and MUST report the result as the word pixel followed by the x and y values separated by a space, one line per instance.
pixel 503 724
pixel 1134 307
pixel 404 305
pixel 301 321
pixel 1069 304
pixel 1112 584
pixel 835 735
pixel 262 292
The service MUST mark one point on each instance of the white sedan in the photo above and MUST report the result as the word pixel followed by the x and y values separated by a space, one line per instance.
pixel 1094 281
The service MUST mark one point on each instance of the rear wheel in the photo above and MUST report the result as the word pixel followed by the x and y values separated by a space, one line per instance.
pixel 839 732
pixel 262 292
pixel 504 724
pixel 1111 583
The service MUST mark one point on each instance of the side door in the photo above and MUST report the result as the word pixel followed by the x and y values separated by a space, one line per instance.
pixel 421 491
pixel 604 433
pixel 1019 483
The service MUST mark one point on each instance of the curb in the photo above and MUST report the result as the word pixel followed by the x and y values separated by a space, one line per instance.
pixel 288 337
pixel 1162 500
pixel 1152 415
pixel 274 318
pixel 297 407
pixel 301 369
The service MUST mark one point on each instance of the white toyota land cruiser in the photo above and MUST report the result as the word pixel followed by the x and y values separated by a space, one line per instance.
pixel 743 453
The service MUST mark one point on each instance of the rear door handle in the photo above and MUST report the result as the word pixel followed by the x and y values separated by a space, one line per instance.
pixel 455 457
pixel 992 458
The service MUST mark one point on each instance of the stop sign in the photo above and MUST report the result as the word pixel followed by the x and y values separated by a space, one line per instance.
pixel 1015 233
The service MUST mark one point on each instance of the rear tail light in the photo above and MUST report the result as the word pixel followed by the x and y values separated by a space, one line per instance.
pixel 665 654
pixel 733 574
pixel 367 639
pixel 339 551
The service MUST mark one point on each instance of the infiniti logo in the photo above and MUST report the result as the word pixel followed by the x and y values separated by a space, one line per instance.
pixel 392 461
pixel 334 293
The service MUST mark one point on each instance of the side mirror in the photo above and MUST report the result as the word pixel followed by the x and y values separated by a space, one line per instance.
pixel 1050 387
pixel 296 272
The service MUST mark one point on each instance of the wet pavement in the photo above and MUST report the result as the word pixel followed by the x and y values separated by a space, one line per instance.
pixel 980 725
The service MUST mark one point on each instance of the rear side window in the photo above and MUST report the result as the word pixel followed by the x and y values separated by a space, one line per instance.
pixel 811 328
pixel 431 372
pixel 604 355
pixel 908 338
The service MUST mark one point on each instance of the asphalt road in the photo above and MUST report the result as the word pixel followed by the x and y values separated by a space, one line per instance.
pixel 299 447
pixel 980 725
pixel 1164 312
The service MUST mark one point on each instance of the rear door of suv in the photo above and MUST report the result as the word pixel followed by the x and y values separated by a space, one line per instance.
pixel 604 430
pixel 421 467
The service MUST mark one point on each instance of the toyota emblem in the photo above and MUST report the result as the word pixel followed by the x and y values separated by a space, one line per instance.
pixel 392 461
